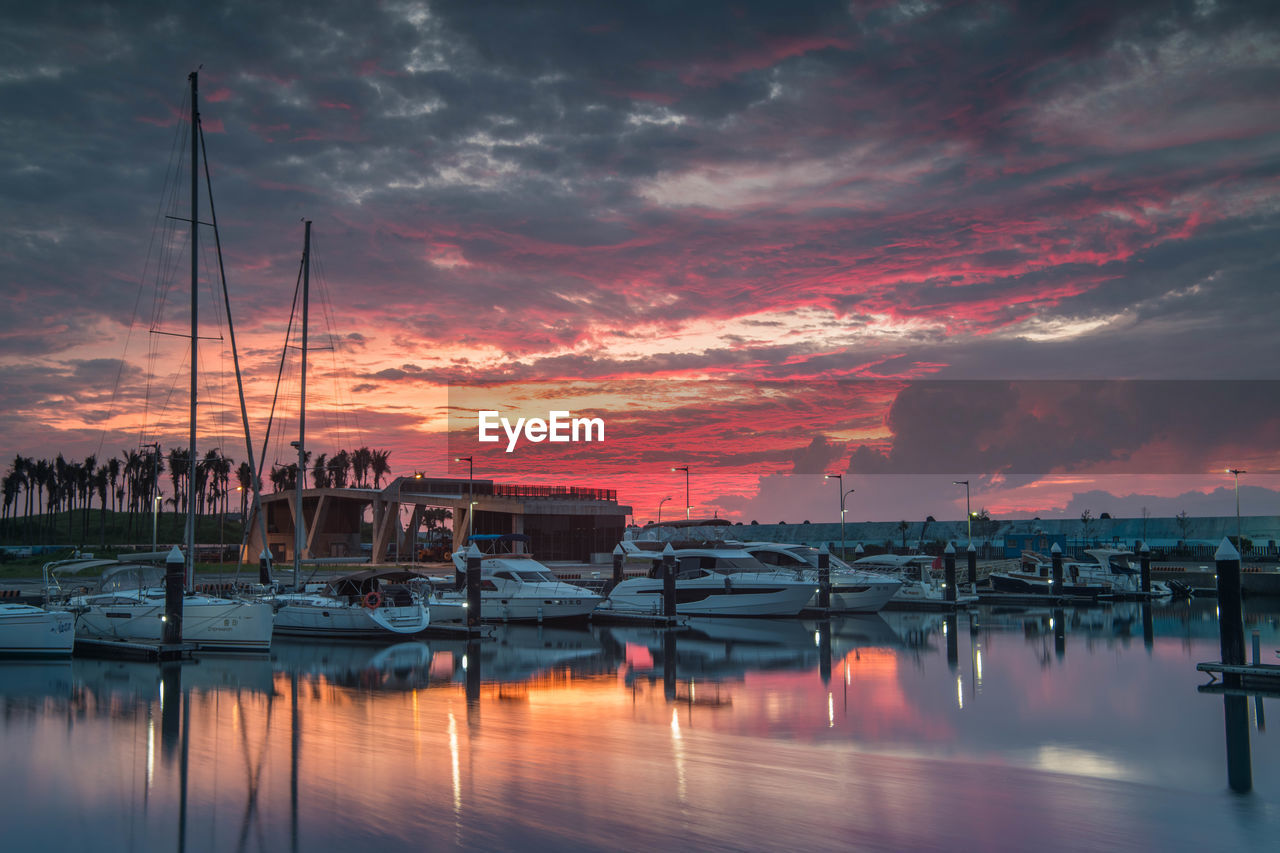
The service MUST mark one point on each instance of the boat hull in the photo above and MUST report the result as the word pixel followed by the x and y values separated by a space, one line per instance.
pixel 312 616
pixel 770 596
pixel 1041 586
pixel 214 624
pixel 27 630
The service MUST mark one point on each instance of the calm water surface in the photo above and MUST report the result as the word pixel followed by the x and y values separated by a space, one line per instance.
pixel 997 731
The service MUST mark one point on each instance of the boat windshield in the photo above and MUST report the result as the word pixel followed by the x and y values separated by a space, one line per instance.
pixel 131 578
pixel 535 577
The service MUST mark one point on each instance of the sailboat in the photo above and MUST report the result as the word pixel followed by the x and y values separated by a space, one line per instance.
pixel 130 602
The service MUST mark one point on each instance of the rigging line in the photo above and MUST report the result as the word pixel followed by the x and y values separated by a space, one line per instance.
pixel 255 481
pixel 345 410
pixel 174 150
pixel 297 289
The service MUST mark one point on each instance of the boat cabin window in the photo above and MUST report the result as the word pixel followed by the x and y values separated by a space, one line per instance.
pixel 504 575
pixel 535 577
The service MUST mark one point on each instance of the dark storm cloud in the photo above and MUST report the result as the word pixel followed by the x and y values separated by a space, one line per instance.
pixel 1101 427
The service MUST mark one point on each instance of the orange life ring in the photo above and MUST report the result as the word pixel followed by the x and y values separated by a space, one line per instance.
pixel 372 599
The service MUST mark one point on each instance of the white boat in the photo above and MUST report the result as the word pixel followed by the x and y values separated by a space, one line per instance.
pixel 514 587
pixel 852 590
pixel 920 585
pixel 29 630
pixel 129 606
pixel 366 604
pixel 712 579
pixel 1123 571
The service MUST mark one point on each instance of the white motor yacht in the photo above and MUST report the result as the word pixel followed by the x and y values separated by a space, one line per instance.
pixel 129 606
pixel 29 630
pixel 712 579
pixel 920 587
pixel 367 604
pixel 852 590
pixel 514 587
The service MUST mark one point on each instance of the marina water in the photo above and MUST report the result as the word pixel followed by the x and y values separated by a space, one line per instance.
pixel 994 730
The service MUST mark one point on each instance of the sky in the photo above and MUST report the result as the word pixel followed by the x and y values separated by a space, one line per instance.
pixel 1029 245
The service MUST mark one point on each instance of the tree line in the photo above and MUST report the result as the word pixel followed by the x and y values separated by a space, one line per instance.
pixel 131 483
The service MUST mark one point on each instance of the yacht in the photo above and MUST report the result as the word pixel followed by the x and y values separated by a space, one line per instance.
pixel 712 579
pixel 29 630
pixel 852 590
pixel 1122 570
pixel 514 587
pixel 1035 577
pixel 367 604
pixel 921 587
pixel 129 606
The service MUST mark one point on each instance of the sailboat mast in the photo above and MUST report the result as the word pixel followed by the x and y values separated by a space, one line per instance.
pixel 195 326
pixel 299 530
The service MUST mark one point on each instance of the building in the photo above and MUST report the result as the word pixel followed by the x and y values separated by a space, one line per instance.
pixel 563 522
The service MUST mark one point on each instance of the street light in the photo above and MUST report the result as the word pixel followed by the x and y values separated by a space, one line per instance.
pixel 471 472
pixel 967 514
pixel 660 503
pixel 1236 472
pixel 687 505
pixel 839 478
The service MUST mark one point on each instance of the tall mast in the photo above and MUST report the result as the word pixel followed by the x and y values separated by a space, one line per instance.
pixel 195 326
pixel 299 530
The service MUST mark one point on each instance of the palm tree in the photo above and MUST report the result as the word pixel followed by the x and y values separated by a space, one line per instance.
pixel 360 462
pixel 179 471
pixel 380 466
pixel 113 474
pixel 101 480
pixel 244 474
pixel 340 466
pixel 320 473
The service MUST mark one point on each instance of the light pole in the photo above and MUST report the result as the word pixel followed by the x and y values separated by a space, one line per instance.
pixel 687 506
pixel 660 503
pixel 471 475
pixel 968 516
pixel 1236 472
pixel 839 478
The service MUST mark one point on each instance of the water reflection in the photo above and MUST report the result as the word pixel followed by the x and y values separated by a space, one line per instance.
pixel 995 729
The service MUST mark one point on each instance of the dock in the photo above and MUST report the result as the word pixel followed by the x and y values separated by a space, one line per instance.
pixel 124 650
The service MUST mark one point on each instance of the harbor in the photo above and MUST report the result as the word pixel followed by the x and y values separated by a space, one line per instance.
pixel 996 729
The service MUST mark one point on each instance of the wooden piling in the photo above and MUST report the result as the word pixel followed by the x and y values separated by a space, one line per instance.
pixel 617 569
pixel 1230 618
pixel 949 572
pixel 824 578
pixel 175 574
pixel 1144 561
pixel 971 556
pixel 668 581
pixel 1055 554
pixel 474 603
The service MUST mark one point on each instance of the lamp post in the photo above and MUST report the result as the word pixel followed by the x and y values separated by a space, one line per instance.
pixel 660 503
pixel 967 514
pixel 687 506
pixel 839 478
pixel 1236 472
pixel 471 475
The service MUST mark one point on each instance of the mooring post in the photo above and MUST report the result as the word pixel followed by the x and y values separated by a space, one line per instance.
pixel 971 554
pixel 949 572
pixel 1059 633
pixel 264 567
pixel 473 588
pixel 1235 711
pixel 617 569
pixel 824 578
pixel 175 573
pixel 1055 554
pixel 1230 619
pixel 1144 561
pixel 668 582
pixel 474 676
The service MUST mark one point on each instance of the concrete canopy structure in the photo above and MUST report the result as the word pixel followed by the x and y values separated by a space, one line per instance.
pixel 563 522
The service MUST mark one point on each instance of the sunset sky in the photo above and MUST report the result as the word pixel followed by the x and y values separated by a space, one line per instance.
pixel 1032 245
